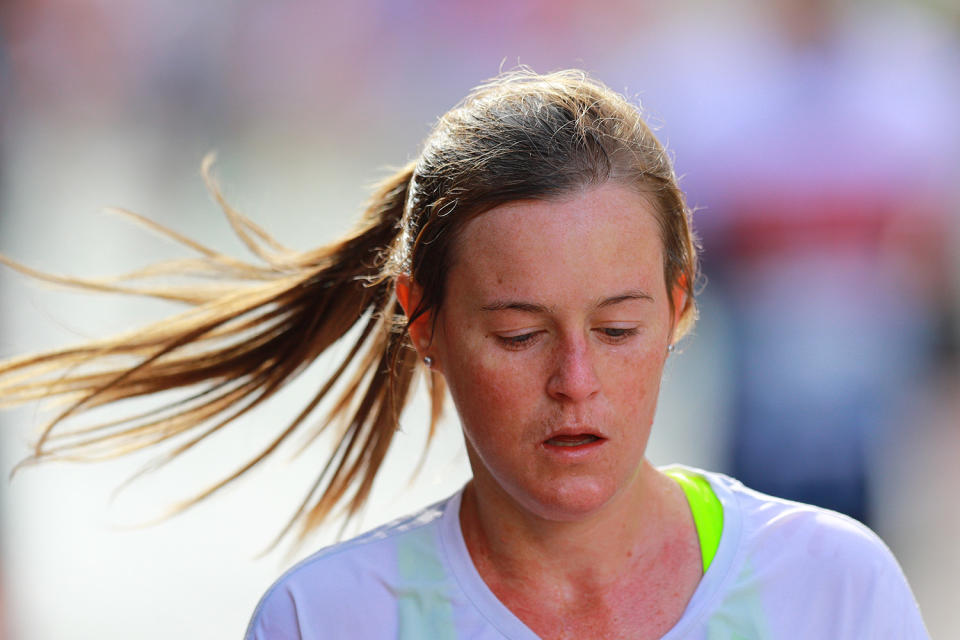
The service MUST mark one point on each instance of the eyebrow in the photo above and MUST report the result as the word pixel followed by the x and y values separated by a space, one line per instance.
pixel 531 307
pixel 515 305
pixel 634 294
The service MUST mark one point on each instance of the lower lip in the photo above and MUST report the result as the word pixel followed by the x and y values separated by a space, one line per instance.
pixel 575 452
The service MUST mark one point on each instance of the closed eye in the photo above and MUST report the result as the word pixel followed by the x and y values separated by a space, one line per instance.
pixel 617 335
pixel 519 341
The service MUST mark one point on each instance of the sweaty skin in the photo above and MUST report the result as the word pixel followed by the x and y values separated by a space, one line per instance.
pixel 552 338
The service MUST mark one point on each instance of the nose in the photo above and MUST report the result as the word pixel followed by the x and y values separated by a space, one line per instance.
pixel 573 377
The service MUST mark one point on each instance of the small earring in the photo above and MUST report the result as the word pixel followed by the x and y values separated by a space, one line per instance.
pixel 427 360
pixel 671 348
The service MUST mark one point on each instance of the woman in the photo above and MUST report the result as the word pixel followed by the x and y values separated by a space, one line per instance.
pixel 538 258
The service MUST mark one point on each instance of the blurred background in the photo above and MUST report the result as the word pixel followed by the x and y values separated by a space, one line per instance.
pixel 818 140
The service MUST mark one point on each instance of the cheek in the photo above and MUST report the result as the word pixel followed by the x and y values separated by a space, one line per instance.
pixel 633 383
pixel 496 395
pixel 492 386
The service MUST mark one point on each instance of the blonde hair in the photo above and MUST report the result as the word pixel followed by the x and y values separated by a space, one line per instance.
pixel 519 136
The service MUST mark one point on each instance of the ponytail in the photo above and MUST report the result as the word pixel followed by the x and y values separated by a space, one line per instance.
pixel 249 333
pixel 520 136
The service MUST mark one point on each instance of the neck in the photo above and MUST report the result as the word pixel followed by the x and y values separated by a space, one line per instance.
pixel 635 529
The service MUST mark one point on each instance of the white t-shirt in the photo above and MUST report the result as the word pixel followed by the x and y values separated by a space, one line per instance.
pixel 782 570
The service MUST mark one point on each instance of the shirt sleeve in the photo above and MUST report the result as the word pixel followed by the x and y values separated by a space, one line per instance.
pixel 332 595
pixel 896 611
pixel 873 598
pixel 275 617
pixel 819 574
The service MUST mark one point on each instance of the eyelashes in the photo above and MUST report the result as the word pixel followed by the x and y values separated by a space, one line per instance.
pixel 618 334
pixel 520 341
pixel 609 335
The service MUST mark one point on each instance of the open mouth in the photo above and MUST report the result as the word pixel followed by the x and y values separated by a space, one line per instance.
pixel 572 441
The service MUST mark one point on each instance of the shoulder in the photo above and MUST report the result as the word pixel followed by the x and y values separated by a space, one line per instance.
pixel 793 530
pixel 349 589
pixel 823 567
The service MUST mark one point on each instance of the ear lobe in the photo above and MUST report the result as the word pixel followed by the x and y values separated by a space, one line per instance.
pixel 409 294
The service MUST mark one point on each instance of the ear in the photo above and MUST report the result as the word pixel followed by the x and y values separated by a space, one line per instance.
pixel 679 299
pixel 409 294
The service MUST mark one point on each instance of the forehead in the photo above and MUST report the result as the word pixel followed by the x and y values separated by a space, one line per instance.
pixel 595 238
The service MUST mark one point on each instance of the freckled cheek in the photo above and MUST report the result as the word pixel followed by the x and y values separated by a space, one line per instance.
pixel 500 385
pixel 634 379
pixel 489 389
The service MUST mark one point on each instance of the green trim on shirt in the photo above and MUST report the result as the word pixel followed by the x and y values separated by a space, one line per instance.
pixel 706 508
pixel 424 609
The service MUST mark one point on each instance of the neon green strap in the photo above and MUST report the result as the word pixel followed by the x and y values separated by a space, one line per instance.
pixel 706 508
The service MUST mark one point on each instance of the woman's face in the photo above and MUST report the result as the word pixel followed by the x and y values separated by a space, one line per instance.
pixel 552 338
